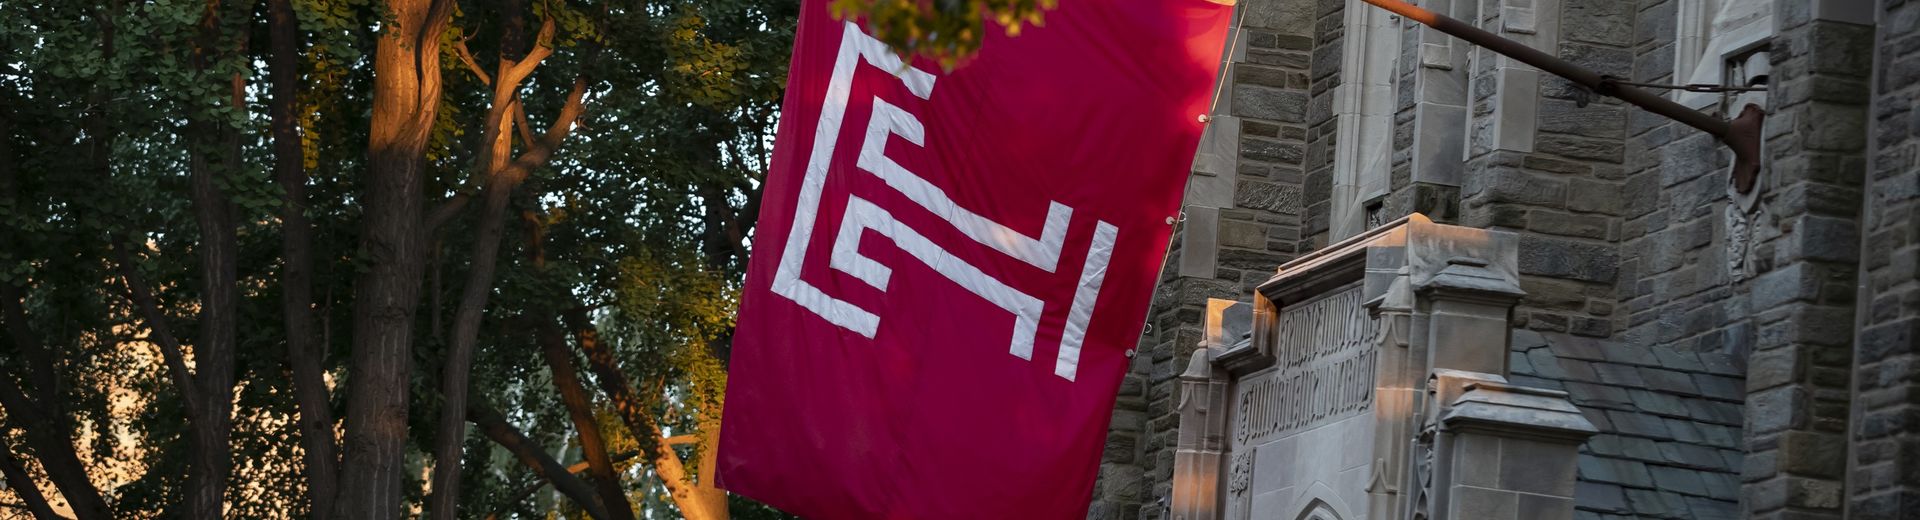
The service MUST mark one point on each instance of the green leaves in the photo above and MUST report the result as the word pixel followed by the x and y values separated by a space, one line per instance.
pixel 947 31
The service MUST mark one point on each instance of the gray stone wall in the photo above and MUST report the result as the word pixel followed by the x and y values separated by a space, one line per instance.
pixel 1674 281
pixel 1626 237
pixel 1800 301
pixel 1885 469
pixel 1329 34
pixel 1541 165
pixel 1239 244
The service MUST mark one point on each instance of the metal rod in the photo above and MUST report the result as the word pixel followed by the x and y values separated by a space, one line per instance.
pixel 1575 73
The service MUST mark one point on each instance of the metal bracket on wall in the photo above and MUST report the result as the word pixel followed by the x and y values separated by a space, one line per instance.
pixel 1742 134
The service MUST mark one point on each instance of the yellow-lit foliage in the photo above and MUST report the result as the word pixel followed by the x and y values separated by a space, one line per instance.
pixel 947 31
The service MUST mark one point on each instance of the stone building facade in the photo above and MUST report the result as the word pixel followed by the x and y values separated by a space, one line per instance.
pixel 1741 351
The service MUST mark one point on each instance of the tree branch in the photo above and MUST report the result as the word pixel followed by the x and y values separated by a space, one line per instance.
pixel 541 150
pixel 680 439
pixel 22 484
pixel 496 428
pixel 639 421
pixel 525 128
pixel 306 356
pixel 162 334
pixel 516 71
pixel 446 211
pixel 47 435
pixel 576 468
pixel 553 347
pixel 466 56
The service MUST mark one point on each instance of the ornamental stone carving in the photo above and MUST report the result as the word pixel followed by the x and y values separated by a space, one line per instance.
pixel 1328 412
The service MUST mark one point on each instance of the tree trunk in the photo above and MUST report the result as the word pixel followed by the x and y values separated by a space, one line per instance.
pixel 694 503
pixel 553 346
pixel 577 467
pixel 23 485
pixel 711 497
pixel 46 427
pixel 211 419
pixel 46 434
pixel 450 437
pixel 305 356
pixel 213 350
pixel 406 99
pixel 502 173
pixel 496 429
pixel 566 380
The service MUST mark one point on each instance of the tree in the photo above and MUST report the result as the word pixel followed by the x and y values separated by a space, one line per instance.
pixel 220 255
pixel 946 30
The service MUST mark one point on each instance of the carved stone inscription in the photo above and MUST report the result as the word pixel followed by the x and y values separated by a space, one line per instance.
pixel 1325 369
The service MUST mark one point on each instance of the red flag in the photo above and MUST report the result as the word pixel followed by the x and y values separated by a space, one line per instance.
pixel 950 267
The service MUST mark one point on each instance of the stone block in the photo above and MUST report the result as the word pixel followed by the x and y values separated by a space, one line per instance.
pixel 1511 185
pixel 1654 65
pixel 1797 282
pixel 1120 449
pixel 1480 503
pixel 1691 157
pixel 1813 454
pixel 1127 421
pixel 1537 467
pixel 1828 239
pixel 1281 18
pixel 1268 103
pixel 1607 22
pixel 1564 224
pixel 1656 24
pixel 1561 116
pixel 1122 482
pixel 1774 410
pixel 1889 340
pixel 1271 151
pixel 1596 197
pixel 1562 258
pixel 1814 493
pixel 1477 461
pixel 1243 234
pixel 1545 507
pixel 1575 147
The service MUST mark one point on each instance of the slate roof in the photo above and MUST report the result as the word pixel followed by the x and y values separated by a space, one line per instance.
pixel 1669 421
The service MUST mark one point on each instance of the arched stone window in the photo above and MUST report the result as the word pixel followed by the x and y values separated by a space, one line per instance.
pixel 1318 510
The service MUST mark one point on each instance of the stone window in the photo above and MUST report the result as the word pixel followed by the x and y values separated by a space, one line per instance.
pixel 1363 108
pixel 1710 36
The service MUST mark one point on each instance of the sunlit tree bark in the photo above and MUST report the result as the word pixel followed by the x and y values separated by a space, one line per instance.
pixel 406 101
